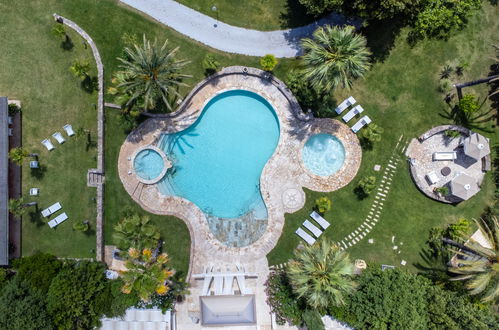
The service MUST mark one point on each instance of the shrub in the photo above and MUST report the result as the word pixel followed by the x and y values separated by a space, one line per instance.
pixel 323 204
pixel 444 191
pixel 446 72
pixel 17 155
pixel 80 69
pixel 210 64
pixel 13 109
pixel 81 226
pixel 58 30
pixel 38 270
pixel 468 105
pixel 370 134
pixel 268 62
pixel 459 230
pixel 282 301
pixel 452 133
pixel 367 184
pixel 318 7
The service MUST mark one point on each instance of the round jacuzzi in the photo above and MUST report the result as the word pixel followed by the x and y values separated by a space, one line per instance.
pixel 323 154
pixel 150 165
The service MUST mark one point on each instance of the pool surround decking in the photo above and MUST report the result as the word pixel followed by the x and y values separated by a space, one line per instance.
pixel 166 164
pixel 282 178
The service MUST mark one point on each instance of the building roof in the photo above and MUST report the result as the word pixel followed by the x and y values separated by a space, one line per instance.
pixel 4 181
pixel 228 310
pixel 138 319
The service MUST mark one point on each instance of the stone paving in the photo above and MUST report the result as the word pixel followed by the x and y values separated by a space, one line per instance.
pixel 421 162
pixel 281 181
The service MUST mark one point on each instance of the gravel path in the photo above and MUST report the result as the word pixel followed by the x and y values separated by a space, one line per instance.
pixel 228 38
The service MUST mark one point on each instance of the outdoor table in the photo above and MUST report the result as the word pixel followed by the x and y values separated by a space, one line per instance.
pixel 445 171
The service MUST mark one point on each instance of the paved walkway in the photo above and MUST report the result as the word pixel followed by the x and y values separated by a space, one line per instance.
pixel 228 38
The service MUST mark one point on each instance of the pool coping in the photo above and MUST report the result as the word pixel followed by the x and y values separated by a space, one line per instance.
pixel 282 174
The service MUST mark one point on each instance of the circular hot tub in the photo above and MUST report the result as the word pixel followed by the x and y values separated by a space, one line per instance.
pixel 150 164
pixel 323 154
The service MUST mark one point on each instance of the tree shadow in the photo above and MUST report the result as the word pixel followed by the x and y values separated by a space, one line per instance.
pixel 366 144
pixel 494 86
pixel 39 172
pixel 90 143
pixel 381 36
pixel 360 193
pixel 295 15
pixel 90 84
pixel 36 218
pixel 67 44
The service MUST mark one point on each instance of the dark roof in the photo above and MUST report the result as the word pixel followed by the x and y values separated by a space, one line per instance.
pixel 4 182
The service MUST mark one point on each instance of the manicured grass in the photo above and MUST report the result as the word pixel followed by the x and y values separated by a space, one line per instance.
pixel 254 14
pixel 401 96
pixel 35 70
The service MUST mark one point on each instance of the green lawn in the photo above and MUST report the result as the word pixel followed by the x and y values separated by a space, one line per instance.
pixel 254 14
pixel 401 96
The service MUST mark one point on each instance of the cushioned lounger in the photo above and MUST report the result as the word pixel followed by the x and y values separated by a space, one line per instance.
pixel 320 220
pixel 316 231
pixel 306 237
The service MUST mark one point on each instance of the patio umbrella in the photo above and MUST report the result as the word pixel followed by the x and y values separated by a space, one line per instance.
pixel 464 186
pixel 476 146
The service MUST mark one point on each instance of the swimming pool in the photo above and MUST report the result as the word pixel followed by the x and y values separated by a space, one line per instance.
pixel 148 164
pixel 218 161
pixel 323 154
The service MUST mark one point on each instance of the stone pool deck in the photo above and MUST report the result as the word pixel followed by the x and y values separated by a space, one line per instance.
pixel 281 183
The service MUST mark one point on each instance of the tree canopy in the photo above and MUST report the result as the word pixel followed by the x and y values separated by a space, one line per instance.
pixel 38 270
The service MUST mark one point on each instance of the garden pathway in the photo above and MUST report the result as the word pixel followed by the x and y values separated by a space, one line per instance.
pixel 228 38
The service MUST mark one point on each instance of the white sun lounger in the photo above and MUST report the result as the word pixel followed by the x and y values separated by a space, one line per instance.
pixel 446 155
pixel 207 281
pixel 432 177
pixel 350 114
pixel 319 219
pixel 305 236
pixel 361 123
pixel 69 130
pixel 241 283
pixel 61 218
pixel 48 144
pixel 51 209
pixel 316 231
pixel 218 282
pixel 228 281
pixel 58 136
pixel 52 223
pixel 345 104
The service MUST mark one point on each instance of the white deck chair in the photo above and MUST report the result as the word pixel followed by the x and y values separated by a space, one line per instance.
pixel 69 130
pixel 218 284
pixel 58 136
pixel 352 113
pixel 46 212
pixel 432 177
pixel 361 123
pixel 10 120
pixel 34 191
pixel 52 223
pixel 61 218
pixel 305 236
pixel 55 207
pixel 345 104
pixel 316 231
pixel 320 220
pixel 48 144
pixel 228 281
pixel 207 282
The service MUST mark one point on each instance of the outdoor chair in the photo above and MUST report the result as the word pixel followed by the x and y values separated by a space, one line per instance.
pixel 33 192
pixel 58 136
pixel 319 219
pixel 305 236
pixel 69 130
pixel 361 123
pixel 48 144
pixel 352 113
pixel 345 104
pixel 313 229
pixel 432 177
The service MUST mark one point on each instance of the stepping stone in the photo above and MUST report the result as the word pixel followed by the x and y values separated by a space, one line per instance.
pixel 377 197
pixel 370 241
pixel 382 194
pixel 395 247
pixel 403 262
pixel 384 176
pixel 377 167
pixel 382 199
pixel 369 226
pixel 393 239
pixel 349 236
pixel 401 243
pixel 349 244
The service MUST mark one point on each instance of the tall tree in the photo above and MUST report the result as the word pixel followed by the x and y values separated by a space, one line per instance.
pixel 146 275
pixel 479 265
pixel 135 231
pixel 18 207
pixel 150 76
pixel 335 57
pixel 38 270
pixel 321 274
pixel 318 7
pixel 384 9
pixel 22 308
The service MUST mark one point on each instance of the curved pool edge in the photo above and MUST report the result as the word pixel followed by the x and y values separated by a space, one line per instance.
pixel 275 182
pixel 166 164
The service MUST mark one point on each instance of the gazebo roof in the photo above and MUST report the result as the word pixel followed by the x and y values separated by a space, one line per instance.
pixel 464 186
pixel 476 146
pixel 228 310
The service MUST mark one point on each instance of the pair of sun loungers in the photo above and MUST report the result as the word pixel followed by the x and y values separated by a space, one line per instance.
pixel 312 228
pixel 58 136
pixel 223 283
pixel 357 110
pixel 51 210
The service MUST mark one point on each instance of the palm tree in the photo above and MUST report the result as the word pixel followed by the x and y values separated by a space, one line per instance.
pixel 321 273
pixel 145 275
pixel 17 155
pixel 150 75
pixel 81 226
pixel 372 133
pixel 478 265
pixel 18 207
pixel 334 57
pixel 80 69
pixel 136 232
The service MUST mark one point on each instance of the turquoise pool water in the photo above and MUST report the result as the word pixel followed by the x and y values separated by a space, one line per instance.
pixel 148 164
pixel 323 154
pixel 218 161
